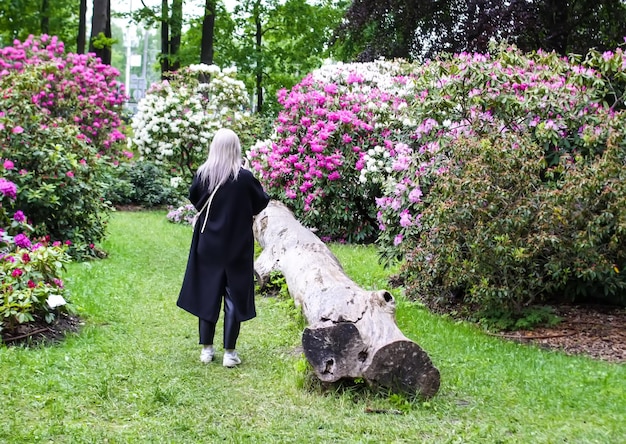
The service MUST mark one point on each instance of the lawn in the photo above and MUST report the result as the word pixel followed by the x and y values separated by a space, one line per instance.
pixel 132 374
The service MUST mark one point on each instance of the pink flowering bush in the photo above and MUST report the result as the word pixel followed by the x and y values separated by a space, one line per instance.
pixel 564 117
pixel 78 88
pixel 59 120
pixel 329 122
pixel 31 287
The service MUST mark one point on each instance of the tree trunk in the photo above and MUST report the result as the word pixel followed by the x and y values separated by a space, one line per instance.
pixel 101 26
pixel 176 30
pixel 351 332
pixel 259 62
pixel 165 39
pixel 82 27
pixel 208 31
pixel 45 17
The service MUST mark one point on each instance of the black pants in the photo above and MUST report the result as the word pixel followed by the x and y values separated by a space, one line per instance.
pixel 231 326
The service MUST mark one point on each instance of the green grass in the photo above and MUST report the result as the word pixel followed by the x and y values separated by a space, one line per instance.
pixel 133 375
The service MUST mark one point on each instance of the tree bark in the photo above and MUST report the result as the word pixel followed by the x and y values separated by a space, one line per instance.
pixel 101 24
pixel 165 39
pixel 81 39
pixel 208 31
pixel 351 332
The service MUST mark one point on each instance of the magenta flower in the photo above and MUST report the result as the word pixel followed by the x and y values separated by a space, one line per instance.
pixel 19 216
pixel 17 272
pixel 8 165
pixel 69 174
pixel 8 188
pixel 21 240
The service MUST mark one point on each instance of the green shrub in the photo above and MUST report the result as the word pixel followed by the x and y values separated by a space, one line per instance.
pixel 58 177
pixel 142 183
pixel 502 231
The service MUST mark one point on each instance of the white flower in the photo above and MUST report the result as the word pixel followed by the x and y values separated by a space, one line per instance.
pixel 55 300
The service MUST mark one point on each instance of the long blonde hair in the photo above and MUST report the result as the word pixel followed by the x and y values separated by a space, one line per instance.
pixel 224 159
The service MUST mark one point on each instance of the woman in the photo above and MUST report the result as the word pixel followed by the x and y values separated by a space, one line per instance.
pixel 221 257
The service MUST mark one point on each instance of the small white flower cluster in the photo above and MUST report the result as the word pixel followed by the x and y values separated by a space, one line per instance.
pixel 377 165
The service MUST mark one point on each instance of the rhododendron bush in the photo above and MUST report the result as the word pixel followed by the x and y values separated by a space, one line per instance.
pixel 349 155
pixel 59 126
pixel 31 287
pixel 330 122
pixel 177 118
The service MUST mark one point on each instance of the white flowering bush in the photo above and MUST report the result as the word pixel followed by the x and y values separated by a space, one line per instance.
pixel 177 118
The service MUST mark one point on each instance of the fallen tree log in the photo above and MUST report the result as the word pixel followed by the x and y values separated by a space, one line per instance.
pixel 351 332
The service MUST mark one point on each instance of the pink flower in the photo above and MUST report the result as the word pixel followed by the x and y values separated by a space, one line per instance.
pixel 17 130
pixel 8 165
pixel 8 188
pixel 69 174
pixel 21 240
pixel 17 272
pixel 19 216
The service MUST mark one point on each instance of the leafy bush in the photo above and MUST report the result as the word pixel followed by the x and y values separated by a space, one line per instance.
pixel 58 177
pixel 30 273
pixel 445 148
pixel 77 88
pixel 142 183
pixel 58 129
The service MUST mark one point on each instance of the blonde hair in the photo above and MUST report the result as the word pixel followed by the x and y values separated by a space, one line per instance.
pixel 223 161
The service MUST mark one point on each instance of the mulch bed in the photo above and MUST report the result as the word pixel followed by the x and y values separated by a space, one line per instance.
pixel 597 331
pixel 41 333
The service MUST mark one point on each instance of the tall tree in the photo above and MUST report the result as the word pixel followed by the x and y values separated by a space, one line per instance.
pixel 19 19
pixel 415 30
pixel 81 40
pixel 208 32
pixel 279 42
pixel 101 41
pixel 169 16
pixel 176 29
pixel 165 38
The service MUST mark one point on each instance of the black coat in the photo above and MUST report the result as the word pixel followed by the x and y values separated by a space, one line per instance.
pixel 223 255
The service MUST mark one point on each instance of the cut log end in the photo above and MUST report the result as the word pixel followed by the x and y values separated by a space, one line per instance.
pixel 404 367
pixel 338 352
pixel 333 351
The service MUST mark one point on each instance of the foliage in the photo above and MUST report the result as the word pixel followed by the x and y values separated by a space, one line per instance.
pixel 329 122
pixel 142 183
pixel 19 20
pixel 177 118
pixel 30 272
pixel 58 177
pixel 423 30
pixel 278 43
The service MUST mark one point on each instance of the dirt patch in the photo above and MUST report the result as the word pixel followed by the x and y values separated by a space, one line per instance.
pixel 41 333
pixel 594 330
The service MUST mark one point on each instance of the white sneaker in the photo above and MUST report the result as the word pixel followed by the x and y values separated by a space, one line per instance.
pixel 231 359
pixel 207 354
